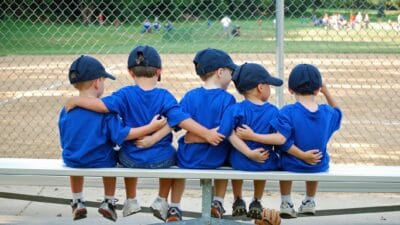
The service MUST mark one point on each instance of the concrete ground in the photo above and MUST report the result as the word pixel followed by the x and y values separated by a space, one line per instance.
pixel 38 210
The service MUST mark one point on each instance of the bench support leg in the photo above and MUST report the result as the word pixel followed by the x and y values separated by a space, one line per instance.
pixel 206 200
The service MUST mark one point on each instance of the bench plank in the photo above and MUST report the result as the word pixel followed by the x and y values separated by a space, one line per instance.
pixel 337 173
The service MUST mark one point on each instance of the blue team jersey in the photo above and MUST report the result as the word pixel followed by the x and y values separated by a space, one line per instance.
pixel 88 138
pixel 205 106
pixel 257 117
pixel 307 130
pixel 137 108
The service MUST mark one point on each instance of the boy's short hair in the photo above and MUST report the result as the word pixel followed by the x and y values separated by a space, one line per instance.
pixel 249 75
pixel 83 85
pixel 145 56
pixel 305 79
pixel 210 59
pixel 87 68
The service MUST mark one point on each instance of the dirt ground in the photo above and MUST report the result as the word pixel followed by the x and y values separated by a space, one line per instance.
pixel 34 88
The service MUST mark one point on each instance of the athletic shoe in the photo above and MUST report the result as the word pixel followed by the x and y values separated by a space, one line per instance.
pixel 78 209
pixel 217 210
pixel 287 211
pixel 174 214
pixel 131 206
pixel 239 208
pixel 107 209
pixel 307 207
pixel 160 208
pixel 255 210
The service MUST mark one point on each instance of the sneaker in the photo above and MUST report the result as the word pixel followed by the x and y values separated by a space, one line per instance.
pixel 217 210
pixel 107 209
pixel 307 207
pixel 287 211
pixel 78 209
pixel 239 208
pixel 174 214
pixel 131 206
pixel 255 210
pixel 160 208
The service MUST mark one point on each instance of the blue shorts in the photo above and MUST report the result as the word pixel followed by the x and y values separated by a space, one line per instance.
pixel 125 161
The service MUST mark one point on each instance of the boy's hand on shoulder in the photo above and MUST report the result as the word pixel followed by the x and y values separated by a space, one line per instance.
pixel 259 155
pixel 312 157
pixel 71 103
pixel 324 89
pixel 213 137
pixel 158 122
pixel 244 132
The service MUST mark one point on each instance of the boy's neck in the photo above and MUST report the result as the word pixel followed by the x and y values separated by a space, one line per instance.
pixel 146 83
pixel 308 101
pixel 88 93
pixel 254 99
pixel 212 84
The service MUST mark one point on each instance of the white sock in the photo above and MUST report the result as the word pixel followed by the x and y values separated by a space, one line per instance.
pixel 177 205
pixel 164 199
pixel 76 196
pixel 219 199
pixel 287 198
pixel 108 197
pixel 131 199
pixel 309 198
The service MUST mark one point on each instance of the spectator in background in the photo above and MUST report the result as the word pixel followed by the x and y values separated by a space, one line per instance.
pixel 236 31
pixel 226 22
pixel 156 24
pixel 366 21
pixel 101 18
pixel 146 27
pixel 168 26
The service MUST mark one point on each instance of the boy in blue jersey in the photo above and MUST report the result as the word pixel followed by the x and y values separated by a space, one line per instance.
pixel 205 105
pixel 308 125
pixel 137 105
pixel 88 138
pixel 253 82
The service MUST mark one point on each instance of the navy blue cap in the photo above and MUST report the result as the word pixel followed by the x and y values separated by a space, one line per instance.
pixel 210 59
pixel 150 55
pixel 86 68
pixel 249 75
pixel 305 79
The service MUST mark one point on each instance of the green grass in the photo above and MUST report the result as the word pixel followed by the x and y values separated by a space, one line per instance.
pixel 18 38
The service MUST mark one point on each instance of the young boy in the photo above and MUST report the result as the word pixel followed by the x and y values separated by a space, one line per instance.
pixel 215 68
pixel 308 125
pixel 137 104
pixel 252 81
pixel 88 138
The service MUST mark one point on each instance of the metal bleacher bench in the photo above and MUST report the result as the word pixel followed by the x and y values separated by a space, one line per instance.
pixel 379 175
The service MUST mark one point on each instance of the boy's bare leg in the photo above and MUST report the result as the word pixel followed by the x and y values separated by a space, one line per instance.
pixel 311 188
pixel 237 188
pixel 165 187
pixel 76 184
pixel 220 188
pixel 178 187
pixel 130 187
pixel 259 186
pixel 109 185
pixel 285 187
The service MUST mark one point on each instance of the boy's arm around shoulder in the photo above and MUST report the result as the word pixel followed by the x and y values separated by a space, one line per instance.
pixel 328 96
pixel 259 155
pixel 90 103
pixel 210 135
pixel 150 140
pixel 156 124
pixel 246 133
pixel 310 156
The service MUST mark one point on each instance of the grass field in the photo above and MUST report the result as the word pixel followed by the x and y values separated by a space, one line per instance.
pixel 301 36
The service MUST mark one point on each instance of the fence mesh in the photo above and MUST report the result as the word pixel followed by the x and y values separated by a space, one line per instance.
pixel 355 44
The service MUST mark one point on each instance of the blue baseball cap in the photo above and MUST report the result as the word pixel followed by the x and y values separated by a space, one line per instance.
pixel 305 79
pixel 87 68
pixel 211 59
pixel 249 75
pixel 150 55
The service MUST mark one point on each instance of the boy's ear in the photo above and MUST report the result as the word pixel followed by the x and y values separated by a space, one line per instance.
pixel 158 74
pixel 317 91
pixel 291 91
pixel 259 87
pixel 131 73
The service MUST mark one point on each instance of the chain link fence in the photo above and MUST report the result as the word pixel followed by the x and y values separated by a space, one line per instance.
pixel 355 44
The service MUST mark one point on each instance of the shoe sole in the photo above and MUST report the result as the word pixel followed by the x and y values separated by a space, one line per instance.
pixel 157 214
pixel 311 213
pixel 131 213
pixel 215 213
pixel 80 214
pixel 106 214
pixel 287 216
pixel 239 212
pixel 255 214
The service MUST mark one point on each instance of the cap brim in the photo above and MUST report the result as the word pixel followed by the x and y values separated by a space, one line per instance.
pixel 107 75
pixel 275 81
pixel 233 66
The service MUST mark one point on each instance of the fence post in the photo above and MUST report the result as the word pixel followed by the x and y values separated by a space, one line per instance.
pixel 280 4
